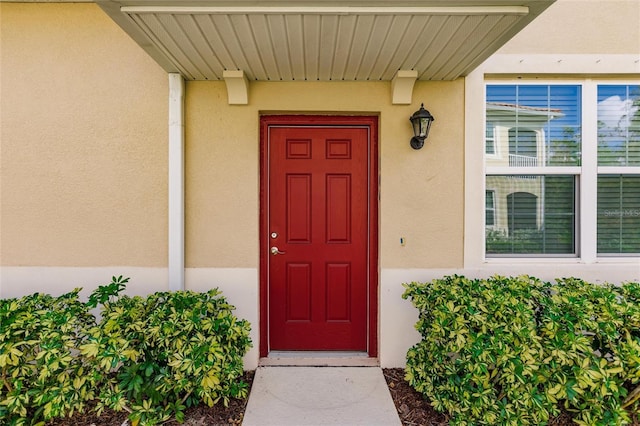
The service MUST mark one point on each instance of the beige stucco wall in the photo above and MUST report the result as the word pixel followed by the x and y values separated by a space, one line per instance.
pixel 581 27
pixel 83 163
pixel 421 195
pixel 84 115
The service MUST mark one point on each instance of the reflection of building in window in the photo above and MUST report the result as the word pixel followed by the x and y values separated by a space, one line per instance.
pixel 517 140
pixel 522 211
pixel 523 147
pixel 489 139
pixel 517 203
pixel 519 136
pixel 530 214
pixel 490 208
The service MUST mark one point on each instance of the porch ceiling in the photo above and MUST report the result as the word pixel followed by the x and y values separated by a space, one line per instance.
pixel 323 39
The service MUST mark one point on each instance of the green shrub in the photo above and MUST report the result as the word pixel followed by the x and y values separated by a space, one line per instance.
pixel 509 350
pixel 592 339
pixel 160 354
pixel 42 376
pixel 150 356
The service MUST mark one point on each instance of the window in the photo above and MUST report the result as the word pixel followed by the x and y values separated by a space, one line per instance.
pixel 618 125
pixel 618 151
pixel 536 215
pixel 490 208
pixel 618 214
pixel 536 211
pixel 559 140
pixel 490 139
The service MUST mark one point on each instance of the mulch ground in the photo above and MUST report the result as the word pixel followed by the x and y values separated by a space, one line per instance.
pixel 413 409
pixel 194 416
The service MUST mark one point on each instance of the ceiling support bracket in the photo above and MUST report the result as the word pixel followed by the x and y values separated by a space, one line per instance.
pixel 237 87
pixel 402 87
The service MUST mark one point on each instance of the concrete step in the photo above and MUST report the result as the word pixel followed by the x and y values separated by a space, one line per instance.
pixel 320 396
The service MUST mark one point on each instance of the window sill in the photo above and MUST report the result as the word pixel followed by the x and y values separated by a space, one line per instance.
pixel 559 260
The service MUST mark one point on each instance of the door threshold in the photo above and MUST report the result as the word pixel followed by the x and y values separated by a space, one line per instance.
pixel 318 359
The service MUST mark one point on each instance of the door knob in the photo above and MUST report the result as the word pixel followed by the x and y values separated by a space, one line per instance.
pixel 275 251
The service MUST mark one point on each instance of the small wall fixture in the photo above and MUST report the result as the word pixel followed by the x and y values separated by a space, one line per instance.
pixel 421 122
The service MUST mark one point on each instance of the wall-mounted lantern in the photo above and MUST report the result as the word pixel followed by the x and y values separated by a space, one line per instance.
pixel 421 121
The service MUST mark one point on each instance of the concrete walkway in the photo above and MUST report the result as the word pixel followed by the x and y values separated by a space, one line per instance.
pixel 319 396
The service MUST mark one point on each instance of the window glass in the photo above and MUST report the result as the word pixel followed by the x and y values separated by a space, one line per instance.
pixel 618 214
pixel 489 140
pixel 540 125
pixel 532 214
pixel 522 212
pixel 490 208
pixel 619 125
pixel 523 148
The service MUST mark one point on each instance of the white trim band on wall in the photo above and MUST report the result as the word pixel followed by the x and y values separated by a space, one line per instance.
pixel 331 10
pixel 505 65
pixel 176 182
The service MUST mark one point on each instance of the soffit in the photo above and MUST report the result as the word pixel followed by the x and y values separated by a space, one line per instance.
pixel 322 40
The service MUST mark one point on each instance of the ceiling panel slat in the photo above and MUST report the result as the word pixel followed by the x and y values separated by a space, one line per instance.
pixel 280 46
pixel 209 56
pixel 342 47
pixel 431 27
pixel 247 43
pixel 311 40
pixel 264 45
pixel 443 41
pixel 440 45
pixel 174 38
pixel 489 27
pixel 296 44
pixel 413 39
pixel 187 36
pixel 328 36
pixel 154 26
pixel 377 37
pixel 464 27
pixel 363 28
pixel 228 34
pixel 216 44
pixel 501 27
pixel 390 45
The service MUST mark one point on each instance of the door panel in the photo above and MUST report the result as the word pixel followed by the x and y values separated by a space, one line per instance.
pixel 318 221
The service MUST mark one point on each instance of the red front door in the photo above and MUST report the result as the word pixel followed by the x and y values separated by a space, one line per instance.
pixel 318 236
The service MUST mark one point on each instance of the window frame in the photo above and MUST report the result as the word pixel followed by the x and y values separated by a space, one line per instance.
pixel 493 208
pixel 586 174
